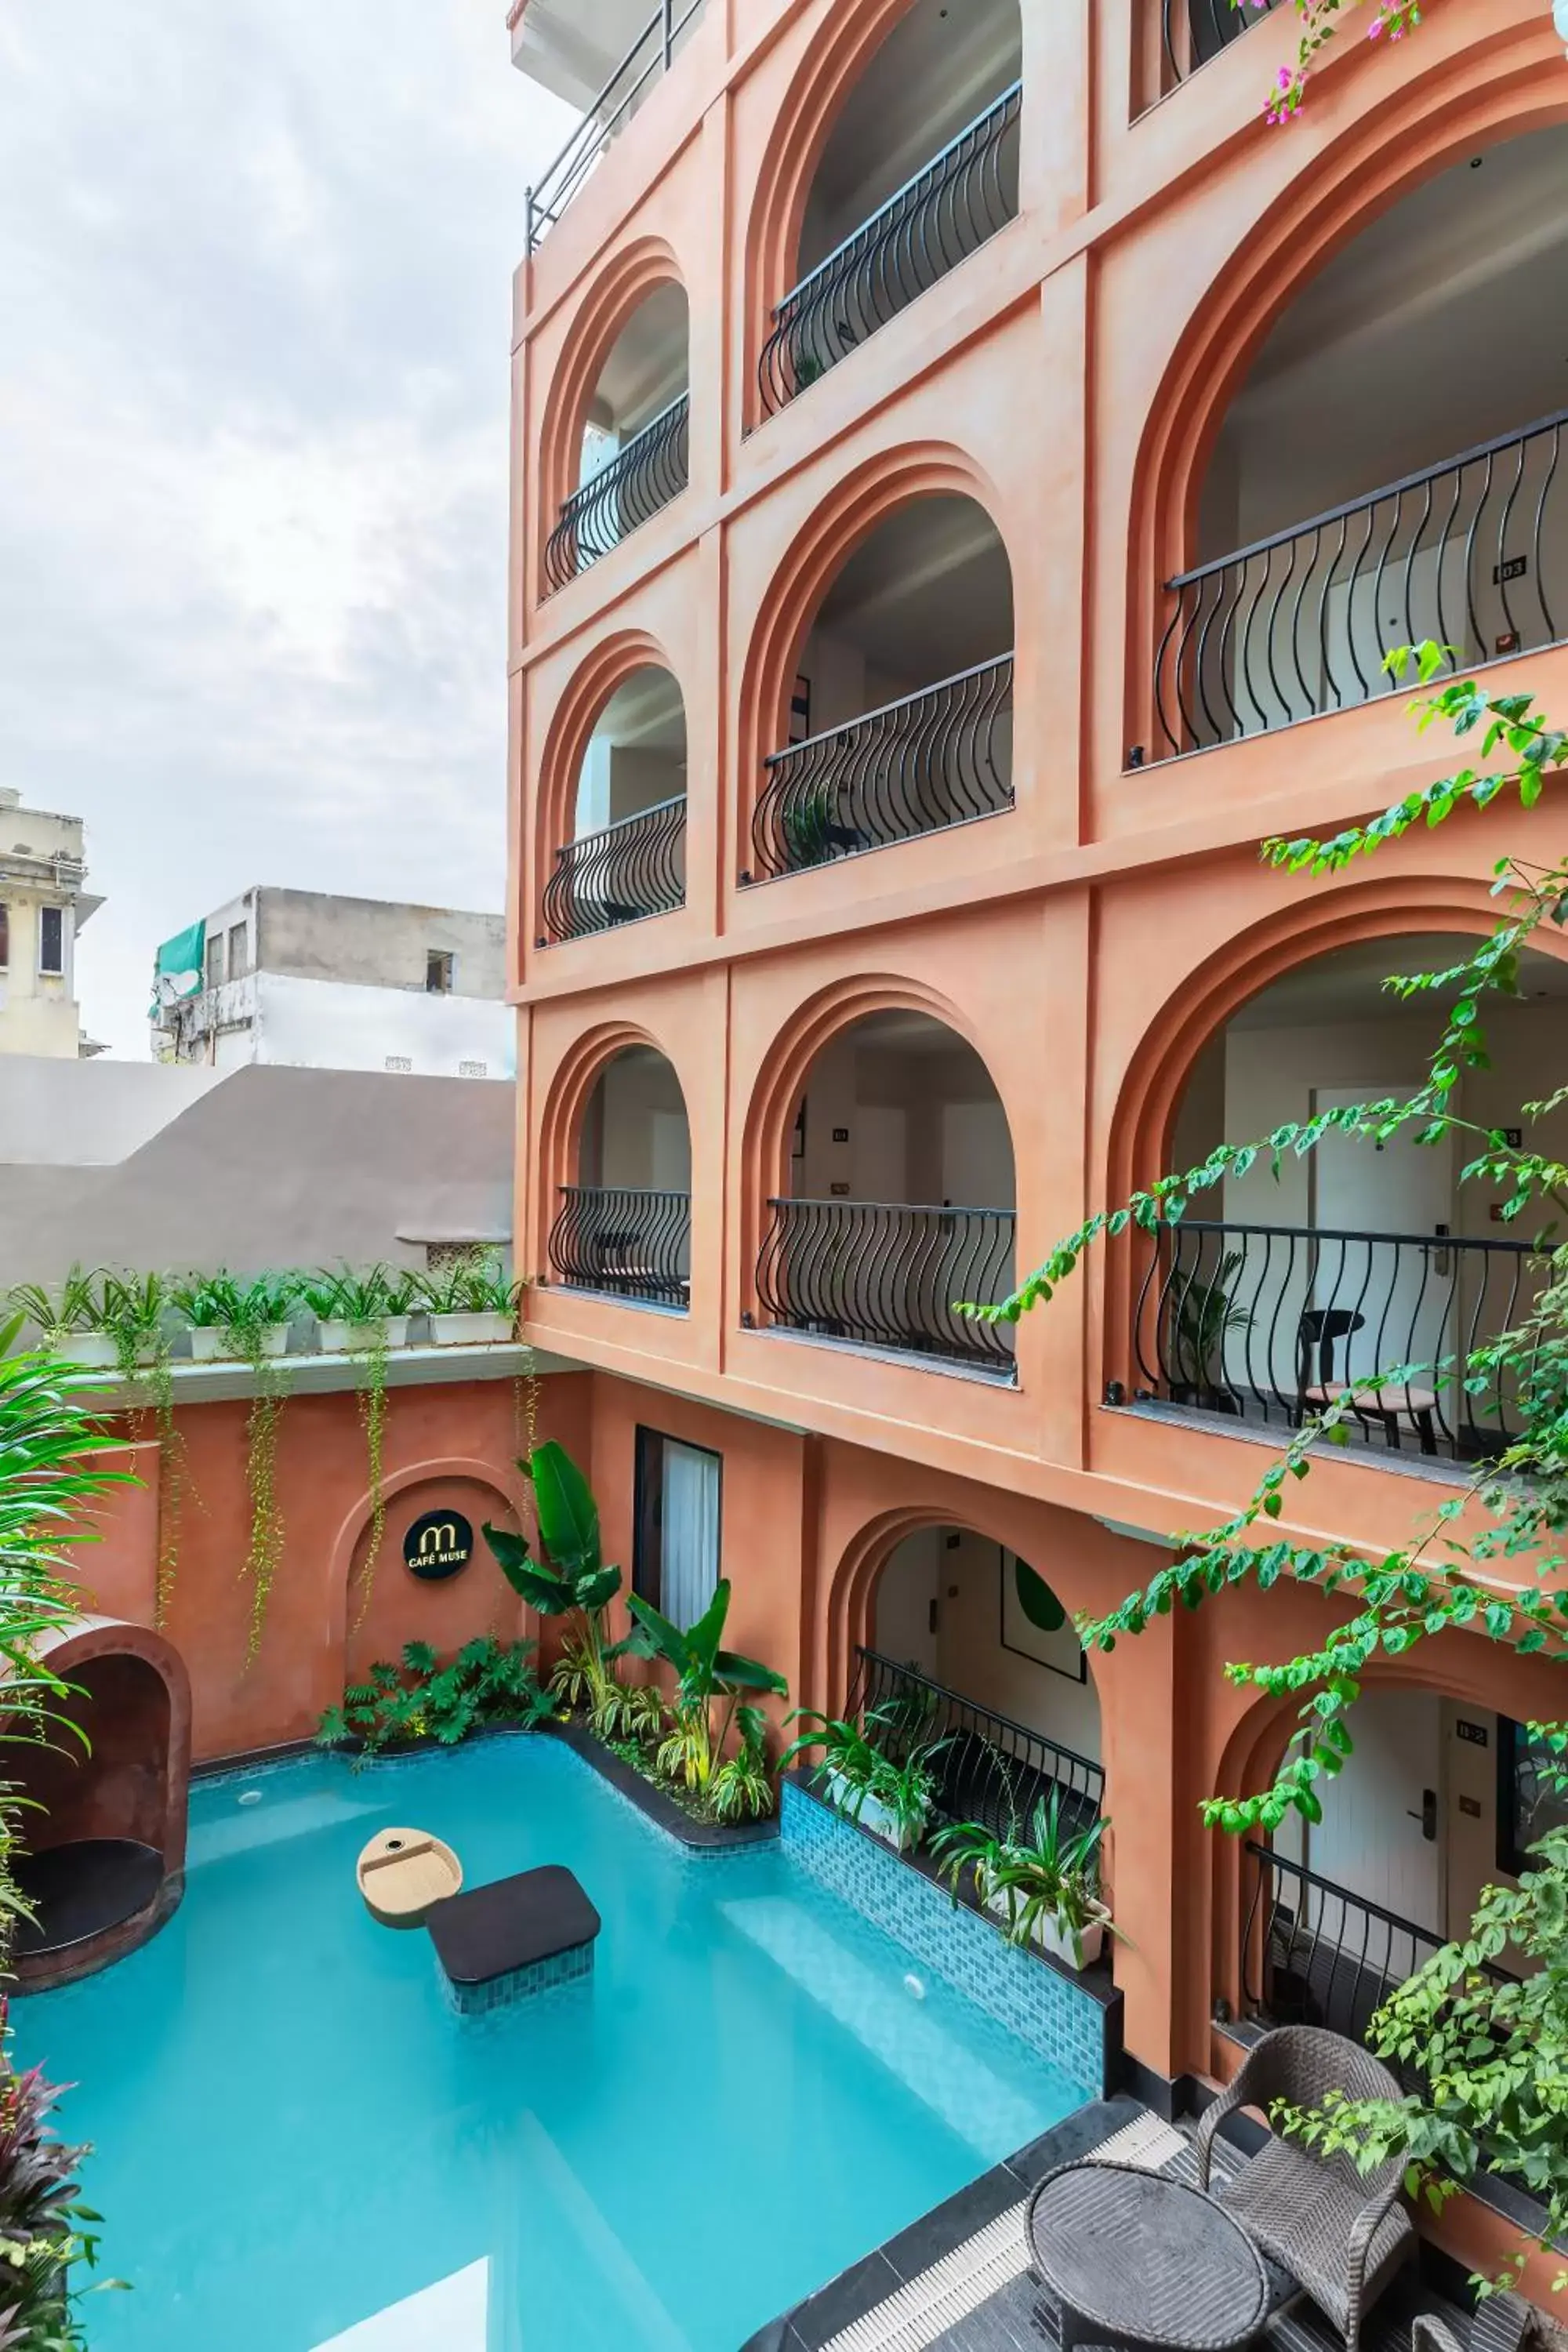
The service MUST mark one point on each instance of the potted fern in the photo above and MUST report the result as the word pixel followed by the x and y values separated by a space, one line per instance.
pixel 471 1304
pixel 889 1793
pixel 1042 1883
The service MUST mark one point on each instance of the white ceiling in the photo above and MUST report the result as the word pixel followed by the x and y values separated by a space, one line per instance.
pixel 940 66
pixel 929 593
pixel 1443 324
pixel 1347 985
pixel 648 363
pixel 644 710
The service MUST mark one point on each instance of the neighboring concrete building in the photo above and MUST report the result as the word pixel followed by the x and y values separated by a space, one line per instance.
pixel 42 907
pixel 308 980
pixel 892 741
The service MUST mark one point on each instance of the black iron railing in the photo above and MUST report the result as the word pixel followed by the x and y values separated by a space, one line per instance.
pixel 644 475
pixel 888 1274
pixel 650 56
pixel 634 868
pixel 626 1244
pixel 1299 624
pixel 937 219
pixel 1194 31
pixel 1314 1954
pixel 1274 1322
pixel 933 758
pixel 991 1769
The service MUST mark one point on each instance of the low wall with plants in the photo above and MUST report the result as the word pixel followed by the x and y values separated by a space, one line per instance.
pixel 1060 2020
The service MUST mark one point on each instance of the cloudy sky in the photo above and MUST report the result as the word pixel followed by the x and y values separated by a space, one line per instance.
pixel 255 265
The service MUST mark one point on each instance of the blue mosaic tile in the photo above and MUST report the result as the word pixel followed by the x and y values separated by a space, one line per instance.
pixel 519 1984
pixel 1057 2018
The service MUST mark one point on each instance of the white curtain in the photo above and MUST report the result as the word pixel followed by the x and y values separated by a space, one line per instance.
pixel 690 1561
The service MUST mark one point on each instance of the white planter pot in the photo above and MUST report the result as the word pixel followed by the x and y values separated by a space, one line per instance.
pixel 1046 1936
pixel 211 1344
pixel 872 1814
pixel 471 1331
pixel 339 1339
pixel 94 1350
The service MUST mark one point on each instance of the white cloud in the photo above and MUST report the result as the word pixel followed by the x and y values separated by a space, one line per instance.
pixel 255 265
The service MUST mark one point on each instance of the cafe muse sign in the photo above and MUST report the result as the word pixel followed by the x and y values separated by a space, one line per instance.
pixel 438 1544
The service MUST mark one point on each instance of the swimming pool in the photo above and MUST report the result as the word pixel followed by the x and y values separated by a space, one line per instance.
pixel 300 2146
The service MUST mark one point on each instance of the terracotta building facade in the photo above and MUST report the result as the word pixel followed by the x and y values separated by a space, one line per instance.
pixel 968 469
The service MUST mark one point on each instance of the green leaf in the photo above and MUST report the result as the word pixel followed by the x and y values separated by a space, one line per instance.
pixel 568 1515
pixel 668 1638
pixel 749 1674
pixel 550 1594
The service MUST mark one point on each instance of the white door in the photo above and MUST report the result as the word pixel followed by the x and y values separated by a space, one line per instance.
pixel 1373 1837
pixel 1405 1296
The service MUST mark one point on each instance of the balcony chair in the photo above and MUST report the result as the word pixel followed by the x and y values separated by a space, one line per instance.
pixel 1343 2235
pixel 1316 1385
pixel 1501 2323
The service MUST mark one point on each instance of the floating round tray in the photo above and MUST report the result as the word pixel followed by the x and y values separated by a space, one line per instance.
pixel 82 1889
pixel 402 1872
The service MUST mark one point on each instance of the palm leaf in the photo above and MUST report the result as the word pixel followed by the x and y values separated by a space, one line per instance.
pixel 568 1515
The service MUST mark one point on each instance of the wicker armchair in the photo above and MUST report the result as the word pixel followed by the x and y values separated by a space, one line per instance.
pixel 1503 2323
pixel 1342 2234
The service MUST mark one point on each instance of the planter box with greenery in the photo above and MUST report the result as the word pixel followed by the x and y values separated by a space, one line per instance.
pixel 472 1304
pixel 1042 1883
pixel 489 1683
pixel 873 1771
pixel 360 1313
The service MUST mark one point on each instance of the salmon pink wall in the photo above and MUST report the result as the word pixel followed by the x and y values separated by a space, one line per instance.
pixel 446 1447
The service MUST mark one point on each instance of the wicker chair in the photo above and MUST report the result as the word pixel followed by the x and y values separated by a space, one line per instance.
pixel 1342 2234
pixel 1503 2323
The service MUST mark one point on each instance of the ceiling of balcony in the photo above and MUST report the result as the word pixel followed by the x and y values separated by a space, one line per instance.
pixel 644 711
pixel 928 594
pixel 1348 984
pixel 1443 324
pixel 647 366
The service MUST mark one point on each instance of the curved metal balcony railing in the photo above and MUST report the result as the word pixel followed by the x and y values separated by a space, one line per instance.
pixel 958 200
pixel 1194 31
pixel 644 475
pixel 1274 1322
pixel 888 1274
pixel 991 1768
pixel 623 1244
pixel 1471 554
pixel 933 759
pixel 652 55
pixel 632 868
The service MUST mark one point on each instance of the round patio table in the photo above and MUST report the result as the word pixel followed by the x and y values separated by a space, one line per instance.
pixel 1142 2263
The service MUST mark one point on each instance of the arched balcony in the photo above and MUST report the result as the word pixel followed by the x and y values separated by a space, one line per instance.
pixel 1272 1299
pixel 626 857
pixel 921 167
pixel 1189 33
pixel 970 1644
pixel 624 1228
pixel 898 1205
pixel 635 449
pixel 902 719
pixel 1437 509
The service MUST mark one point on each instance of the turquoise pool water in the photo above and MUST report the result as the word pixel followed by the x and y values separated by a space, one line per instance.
pixel 300 2146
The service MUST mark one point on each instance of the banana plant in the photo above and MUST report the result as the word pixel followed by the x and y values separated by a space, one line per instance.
pixel 704 1673
pixel 573 1581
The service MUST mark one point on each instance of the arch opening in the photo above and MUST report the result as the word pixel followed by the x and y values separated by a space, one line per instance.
pixel 1361 1259
pixel 1315 550
pixel 630 453
pixel 917 170
pixel 625 858
pixel 624 1229
pixel 900 718
pixel 897 1198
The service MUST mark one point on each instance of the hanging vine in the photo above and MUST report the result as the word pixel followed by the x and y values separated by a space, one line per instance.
pixel 130 1309
pixel 373 1420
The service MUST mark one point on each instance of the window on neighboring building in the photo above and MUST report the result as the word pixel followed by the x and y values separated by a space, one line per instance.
pixel 52 940
pixel 214 961
pixel 5 937
pixel 399 1062
pixel 675 1549
pixel 473 1069
pixel 438 973
pixel 239 951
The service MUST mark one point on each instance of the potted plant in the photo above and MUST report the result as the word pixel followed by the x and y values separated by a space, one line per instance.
pixel 130 1311
pixel 471 1304
pixel 1042 1885
pixel 890 1794
pixel 233 1318
pixel 357 1312
pixel 1207 1314
pixel 67 1318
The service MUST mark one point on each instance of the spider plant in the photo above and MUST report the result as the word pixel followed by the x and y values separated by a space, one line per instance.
pixel 476 1286
pixel 131 1309
pixel 363 1297
pixel 742 1790
pixel 1047 1878
pixel 57 1314
pixel 872 1765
